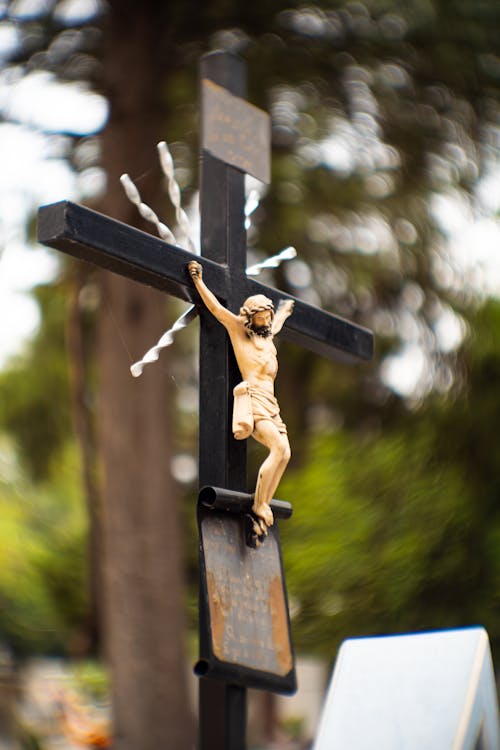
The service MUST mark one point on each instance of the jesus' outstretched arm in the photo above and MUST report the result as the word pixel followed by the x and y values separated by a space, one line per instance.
pixel 285 309
pixel 223 315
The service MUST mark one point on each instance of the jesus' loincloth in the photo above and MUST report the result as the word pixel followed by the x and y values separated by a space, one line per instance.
pixel 252 405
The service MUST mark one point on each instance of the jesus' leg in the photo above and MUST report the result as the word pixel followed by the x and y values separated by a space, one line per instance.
pixel 272 469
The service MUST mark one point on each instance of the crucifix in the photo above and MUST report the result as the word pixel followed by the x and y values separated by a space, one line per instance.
pixel 244 624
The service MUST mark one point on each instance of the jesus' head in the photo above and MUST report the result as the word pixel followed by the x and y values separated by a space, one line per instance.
pixel 258 314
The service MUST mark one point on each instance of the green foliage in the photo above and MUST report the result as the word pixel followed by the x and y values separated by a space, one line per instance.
pixel 42 560
pixel 467 428
pixel 43 534
pixel 378 521
pixel 92 680
pixel 399 530
pixel 34 391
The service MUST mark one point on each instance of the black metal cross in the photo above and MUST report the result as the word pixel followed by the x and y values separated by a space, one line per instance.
pixel 142 257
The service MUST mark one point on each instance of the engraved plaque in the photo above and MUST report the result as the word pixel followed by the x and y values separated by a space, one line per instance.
pixel 248 627
pixel 235 131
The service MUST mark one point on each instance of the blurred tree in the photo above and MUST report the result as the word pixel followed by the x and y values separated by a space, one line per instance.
pixel 378 108
pixel 411 540
pixel 143 577
pixel 462 436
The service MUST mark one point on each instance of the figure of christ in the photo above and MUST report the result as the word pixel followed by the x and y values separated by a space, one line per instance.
pixel 256 410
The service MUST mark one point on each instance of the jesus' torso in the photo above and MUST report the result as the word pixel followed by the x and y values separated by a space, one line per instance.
pixel 257 359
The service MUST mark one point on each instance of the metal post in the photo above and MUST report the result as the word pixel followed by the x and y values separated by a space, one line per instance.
pixel 222 460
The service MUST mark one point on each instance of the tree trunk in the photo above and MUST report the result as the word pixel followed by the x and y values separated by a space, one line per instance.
pixel 77 348
pixel 143 591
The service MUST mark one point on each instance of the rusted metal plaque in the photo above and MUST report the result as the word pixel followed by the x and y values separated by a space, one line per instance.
pixel 235 131
pixel 247 636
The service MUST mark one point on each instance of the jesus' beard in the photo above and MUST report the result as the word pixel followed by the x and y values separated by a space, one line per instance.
pixel 264 331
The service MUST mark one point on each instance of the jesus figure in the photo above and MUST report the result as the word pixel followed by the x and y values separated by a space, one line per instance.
pixel 256 410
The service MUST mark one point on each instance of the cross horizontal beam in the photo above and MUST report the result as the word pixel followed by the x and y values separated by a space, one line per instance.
pixel 91 236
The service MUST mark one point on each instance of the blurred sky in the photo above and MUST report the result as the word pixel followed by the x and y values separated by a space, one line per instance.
pixel 34 171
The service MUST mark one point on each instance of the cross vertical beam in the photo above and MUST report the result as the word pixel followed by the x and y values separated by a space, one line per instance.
pixel 222 460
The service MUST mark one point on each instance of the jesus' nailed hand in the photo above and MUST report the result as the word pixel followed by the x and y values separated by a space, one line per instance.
pixel 256 410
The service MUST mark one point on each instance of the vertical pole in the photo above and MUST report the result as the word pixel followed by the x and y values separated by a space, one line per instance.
pixel 222 460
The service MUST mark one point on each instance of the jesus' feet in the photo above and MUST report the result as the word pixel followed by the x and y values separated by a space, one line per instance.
pixel 265 515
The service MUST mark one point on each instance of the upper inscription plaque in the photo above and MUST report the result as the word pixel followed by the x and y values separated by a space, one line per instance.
pixel 235 131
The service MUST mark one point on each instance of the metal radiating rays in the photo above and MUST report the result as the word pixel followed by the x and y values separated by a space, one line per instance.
pixel 174 192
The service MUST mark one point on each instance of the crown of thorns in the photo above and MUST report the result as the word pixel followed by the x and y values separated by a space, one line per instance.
pixel 255 304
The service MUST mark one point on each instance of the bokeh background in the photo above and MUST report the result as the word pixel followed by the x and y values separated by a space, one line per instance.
pixel 386 178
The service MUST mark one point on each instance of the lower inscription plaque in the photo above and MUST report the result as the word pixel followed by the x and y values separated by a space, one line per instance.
pixel 247 630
